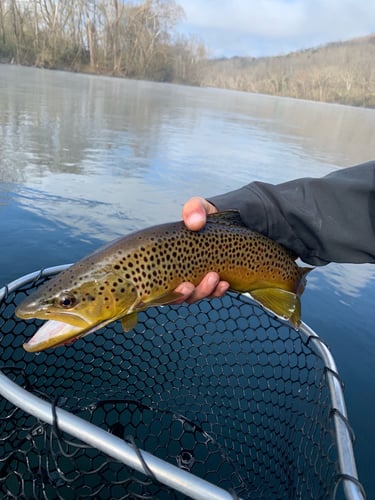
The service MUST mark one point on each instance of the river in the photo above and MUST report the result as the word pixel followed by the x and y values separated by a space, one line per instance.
pixel 84 159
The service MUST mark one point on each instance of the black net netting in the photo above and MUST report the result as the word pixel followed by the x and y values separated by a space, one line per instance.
pixel 218 388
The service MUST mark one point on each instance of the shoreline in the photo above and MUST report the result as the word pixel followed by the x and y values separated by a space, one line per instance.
pixel 88 71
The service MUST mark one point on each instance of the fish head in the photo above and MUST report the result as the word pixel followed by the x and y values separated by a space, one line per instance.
pixel 81 304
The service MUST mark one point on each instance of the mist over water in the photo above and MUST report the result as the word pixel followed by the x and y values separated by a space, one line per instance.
pixel 85 159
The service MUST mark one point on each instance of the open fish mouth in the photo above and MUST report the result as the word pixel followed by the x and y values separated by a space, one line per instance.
pixel 55 333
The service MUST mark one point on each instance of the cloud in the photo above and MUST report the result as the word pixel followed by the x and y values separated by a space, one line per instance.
pixel 265 27
pixel 262 18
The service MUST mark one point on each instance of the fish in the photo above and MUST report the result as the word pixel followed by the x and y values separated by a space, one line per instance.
pixel 143 269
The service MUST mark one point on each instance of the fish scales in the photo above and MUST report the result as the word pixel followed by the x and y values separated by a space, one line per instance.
pixel 144 268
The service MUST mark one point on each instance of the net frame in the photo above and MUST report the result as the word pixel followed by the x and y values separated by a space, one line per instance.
pixel 176 478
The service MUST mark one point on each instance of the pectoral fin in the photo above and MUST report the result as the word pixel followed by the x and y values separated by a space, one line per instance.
pixel 129 321
pixel 281 302
pixel 159 301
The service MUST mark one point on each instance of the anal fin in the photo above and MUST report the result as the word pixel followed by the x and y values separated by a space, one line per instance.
pixel 281 302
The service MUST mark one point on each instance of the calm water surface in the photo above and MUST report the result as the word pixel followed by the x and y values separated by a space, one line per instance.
pixel 85 159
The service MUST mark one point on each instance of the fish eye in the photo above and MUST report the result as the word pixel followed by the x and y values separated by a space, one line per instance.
pixel 67 301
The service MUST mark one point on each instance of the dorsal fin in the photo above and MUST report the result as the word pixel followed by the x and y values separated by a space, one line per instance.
pixel 230 217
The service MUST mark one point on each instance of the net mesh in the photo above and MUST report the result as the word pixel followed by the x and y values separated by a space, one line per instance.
pixel 218 388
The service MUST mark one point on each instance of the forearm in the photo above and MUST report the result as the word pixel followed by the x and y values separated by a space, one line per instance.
pixel 329 219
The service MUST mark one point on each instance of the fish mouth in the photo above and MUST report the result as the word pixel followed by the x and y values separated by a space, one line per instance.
pixel 61 327
pixel 56 333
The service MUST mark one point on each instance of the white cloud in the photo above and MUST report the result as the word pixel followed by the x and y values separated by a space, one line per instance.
pixel 244 27
pixel 262 18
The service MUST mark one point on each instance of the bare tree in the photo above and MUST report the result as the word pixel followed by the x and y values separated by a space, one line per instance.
pixel 2 25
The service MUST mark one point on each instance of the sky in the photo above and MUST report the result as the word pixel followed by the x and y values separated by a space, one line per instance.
pixel 273 27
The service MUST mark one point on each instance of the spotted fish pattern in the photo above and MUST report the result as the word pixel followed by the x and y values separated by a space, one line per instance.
pixel 144 268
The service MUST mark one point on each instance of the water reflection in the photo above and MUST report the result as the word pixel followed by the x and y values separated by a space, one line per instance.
pixel 351 279
pixel 345 279
pixel 76 123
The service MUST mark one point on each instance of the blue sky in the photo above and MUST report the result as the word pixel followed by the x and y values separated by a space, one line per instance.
pixel 271 27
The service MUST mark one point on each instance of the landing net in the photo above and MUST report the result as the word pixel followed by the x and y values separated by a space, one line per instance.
pixel 213 400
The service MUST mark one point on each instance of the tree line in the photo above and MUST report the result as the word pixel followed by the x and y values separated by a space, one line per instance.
pixel 122 38
pixel 140 39
pixel 342 72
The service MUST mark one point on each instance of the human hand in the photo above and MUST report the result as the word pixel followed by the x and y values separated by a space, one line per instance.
pixel 194 214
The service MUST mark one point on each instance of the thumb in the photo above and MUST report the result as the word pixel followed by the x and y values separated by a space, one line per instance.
pixel 194 212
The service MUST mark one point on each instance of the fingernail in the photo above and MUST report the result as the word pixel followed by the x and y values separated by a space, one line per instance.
pixel 196 220
pixel 185 289
pixel 212 280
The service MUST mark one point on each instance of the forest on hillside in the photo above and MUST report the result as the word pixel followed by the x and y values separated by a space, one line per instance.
pixel 140 39
pixel 342 72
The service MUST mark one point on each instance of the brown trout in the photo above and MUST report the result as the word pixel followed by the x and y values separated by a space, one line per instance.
pixel 144 268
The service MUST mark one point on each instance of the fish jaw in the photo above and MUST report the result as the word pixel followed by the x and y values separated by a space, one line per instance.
pixel 55 333
pixel 28 310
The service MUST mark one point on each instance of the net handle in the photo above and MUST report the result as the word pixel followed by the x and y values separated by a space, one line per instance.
pixel 166 473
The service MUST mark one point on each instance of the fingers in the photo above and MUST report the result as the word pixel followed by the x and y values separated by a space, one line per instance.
pixel 210 286
pixel 194 212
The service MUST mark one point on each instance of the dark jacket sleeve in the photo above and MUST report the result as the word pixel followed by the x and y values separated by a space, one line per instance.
pixel 322 220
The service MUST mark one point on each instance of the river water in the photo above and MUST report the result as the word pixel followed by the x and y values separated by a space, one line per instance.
pixel 85 159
